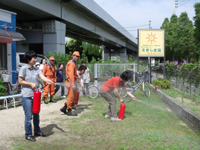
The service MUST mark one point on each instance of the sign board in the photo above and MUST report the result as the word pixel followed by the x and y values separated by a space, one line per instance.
pixel 151 43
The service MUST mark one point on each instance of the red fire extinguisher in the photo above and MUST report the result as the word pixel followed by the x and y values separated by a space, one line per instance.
pixel 122 111
pixel 36 102
pixel 77 98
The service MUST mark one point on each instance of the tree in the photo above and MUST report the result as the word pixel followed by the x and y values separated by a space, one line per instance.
pixel 91 51
pixel 197 22
pixel 179 38
pixel 74 45
pixel 197 29
pixel 165 25
pixel 186 47
pixel 172 36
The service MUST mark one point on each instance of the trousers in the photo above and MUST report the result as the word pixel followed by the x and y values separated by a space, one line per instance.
pixel 27 104
pixel 112 112
pixel 71 96
pixel 51 87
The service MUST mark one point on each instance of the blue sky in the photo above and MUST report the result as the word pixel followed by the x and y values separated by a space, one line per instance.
pixel 131 13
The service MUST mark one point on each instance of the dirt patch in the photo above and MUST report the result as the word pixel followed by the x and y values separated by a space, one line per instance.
pixel 185 100
pixel 12 121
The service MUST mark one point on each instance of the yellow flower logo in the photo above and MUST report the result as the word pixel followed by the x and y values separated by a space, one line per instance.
pixel 151 38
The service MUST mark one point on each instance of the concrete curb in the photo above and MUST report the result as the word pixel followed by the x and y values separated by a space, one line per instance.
pixel 186 115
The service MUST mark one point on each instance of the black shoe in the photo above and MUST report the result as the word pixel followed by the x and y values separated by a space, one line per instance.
pixel 71 113
pixel 39 134
pixel 30 138
pixel 45 100
pixel 52 101
pixel 63 109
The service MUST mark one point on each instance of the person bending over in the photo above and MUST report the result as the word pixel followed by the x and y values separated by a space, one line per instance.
pixel 113 84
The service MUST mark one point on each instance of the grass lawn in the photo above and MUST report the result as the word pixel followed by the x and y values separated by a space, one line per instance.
pixel 150 125
pixel 186 100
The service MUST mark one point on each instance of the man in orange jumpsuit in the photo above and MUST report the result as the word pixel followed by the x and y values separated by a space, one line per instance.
pixel 49 71
pixel 71 74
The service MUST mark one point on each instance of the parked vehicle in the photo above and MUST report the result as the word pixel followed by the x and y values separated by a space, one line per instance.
pixel 20 61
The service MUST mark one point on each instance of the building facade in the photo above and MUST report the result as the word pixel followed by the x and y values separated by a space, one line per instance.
pixel 8 38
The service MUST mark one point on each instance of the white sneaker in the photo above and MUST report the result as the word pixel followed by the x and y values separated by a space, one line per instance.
pixel 107 117
pixel 63 96
pixel 115 119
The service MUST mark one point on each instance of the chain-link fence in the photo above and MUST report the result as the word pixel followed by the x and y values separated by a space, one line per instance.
pixel 105 71
pixel 101 72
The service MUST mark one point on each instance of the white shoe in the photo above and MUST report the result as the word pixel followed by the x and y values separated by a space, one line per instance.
pixel 107 117
pixel 63 96
pixel 115 119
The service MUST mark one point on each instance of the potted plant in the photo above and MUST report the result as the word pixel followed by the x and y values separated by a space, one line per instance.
pixel 157 83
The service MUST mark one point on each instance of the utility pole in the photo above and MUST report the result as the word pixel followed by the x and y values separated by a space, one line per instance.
pixel 175 5
pixel 150 24
pixel 149 58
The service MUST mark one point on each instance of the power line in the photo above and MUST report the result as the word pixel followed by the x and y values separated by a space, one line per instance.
pixel 181 2
pixel 185 3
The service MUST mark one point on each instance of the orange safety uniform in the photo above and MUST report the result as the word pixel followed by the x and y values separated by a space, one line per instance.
pixel 71 74
pixel 49 72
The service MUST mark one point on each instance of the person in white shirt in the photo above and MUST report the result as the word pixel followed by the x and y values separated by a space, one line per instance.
pixel 42 63
pixel 80 72
pixel 86 77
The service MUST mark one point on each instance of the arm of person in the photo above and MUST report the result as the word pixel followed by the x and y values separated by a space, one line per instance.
pixel 89 75
pixel 117 94
pixel 127 92
pixel 41 76
pixel 81 82
pixel 25 83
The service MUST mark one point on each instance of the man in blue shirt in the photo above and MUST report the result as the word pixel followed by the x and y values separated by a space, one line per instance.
pixel 59 74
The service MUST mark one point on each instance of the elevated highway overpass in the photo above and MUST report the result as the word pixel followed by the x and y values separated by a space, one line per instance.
pixel 47 22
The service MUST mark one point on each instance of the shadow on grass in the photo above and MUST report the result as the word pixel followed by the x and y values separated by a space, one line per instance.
pixel 80 108
pixel 48 130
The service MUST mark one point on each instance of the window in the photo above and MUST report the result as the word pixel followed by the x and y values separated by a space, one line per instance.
pixel 3 56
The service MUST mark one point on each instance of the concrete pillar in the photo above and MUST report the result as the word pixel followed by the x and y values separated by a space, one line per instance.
pixel 53 36
pixel 123 54
pixel 106 53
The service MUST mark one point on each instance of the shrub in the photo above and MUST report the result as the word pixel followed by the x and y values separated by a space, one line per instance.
pixel 2 88
pixel 157 82
pixel 166 84
pixel 91 79
pixel 133 83
pixel 163 83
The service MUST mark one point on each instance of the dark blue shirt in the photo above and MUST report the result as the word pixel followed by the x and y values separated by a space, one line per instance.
pixel 59 74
